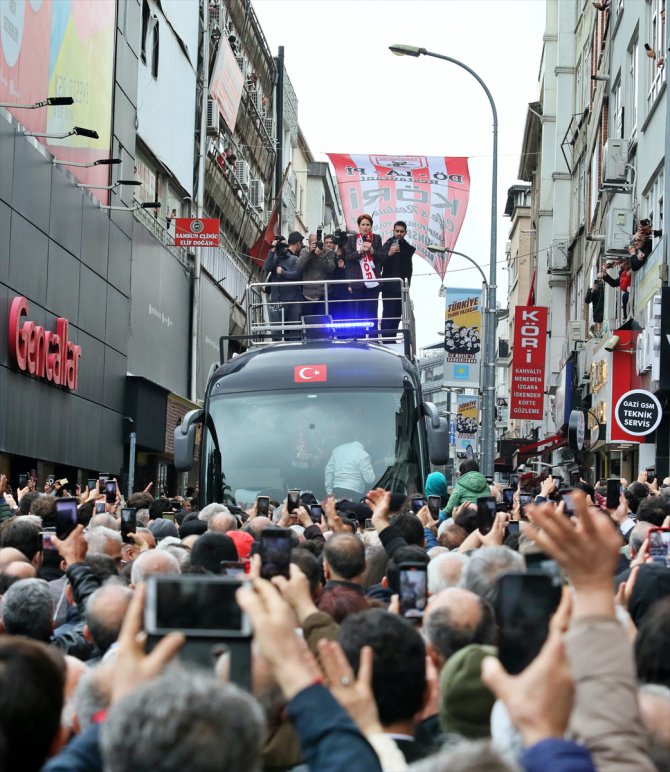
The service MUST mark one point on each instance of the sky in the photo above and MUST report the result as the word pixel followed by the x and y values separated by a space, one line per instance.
pixel 355 96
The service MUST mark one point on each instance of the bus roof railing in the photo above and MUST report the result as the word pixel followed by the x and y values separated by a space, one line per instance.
pixel 334 316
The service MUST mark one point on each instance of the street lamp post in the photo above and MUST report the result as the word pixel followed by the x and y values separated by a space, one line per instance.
pixel 488 400
pixel 489 353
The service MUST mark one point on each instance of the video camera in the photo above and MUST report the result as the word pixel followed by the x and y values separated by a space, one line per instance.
pixel 281 247
pixel 340 238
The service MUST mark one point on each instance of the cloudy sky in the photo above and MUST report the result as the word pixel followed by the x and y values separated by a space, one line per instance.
pixel 355 96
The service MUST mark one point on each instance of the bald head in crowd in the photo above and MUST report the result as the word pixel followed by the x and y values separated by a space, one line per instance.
pixel 222 522
pixel 153 562
pixel 344 558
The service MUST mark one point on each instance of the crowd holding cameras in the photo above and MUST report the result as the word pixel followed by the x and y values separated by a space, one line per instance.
pixel 476 628
pixel 357 258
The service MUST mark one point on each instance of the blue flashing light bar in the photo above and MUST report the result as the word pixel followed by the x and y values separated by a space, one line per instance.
pixel 352 325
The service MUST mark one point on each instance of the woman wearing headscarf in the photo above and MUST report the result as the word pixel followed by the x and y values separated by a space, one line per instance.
pixel 363 255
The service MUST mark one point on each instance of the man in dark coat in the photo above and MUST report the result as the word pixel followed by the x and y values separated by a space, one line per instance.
pixel 282 265
pixel 397 264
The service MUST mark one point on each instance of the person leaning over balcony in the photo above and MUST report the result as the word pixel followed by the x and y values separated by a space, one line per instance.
pixel 622 281
pixel 363 255
pixel 595 295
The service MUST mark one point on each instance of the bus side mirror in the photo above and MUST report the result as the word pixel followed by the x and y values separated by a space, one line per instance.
pixel 437 429
pixel 184 440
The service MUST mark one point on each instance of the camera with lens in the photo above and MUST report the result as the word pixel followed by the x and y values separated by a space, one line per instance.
pixel 281 248
pixel 319 238
pixel 340 238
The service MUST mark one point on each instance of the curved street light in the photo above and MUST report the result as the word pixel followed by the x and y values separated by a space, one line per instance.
pixel 488 401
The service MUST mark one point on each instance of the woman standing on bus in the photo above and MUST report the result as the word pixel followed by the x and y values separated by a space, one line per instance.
pixel 363 257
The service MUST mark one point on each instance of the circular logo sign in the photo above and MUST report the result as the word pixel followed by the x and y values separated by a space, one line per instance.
pixel 638 412
pixel 576 430
pixel 197 226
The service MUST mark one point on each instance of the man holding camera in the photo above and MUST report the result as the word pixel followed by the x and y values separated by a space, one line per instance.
pixel 396 264
pixel 282 267
pixel 596 296
pixel 316 263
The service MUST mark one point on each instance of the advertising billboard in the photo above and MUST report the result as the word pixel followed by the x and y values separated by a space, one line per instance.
pixel 528 363
pixel 467 425
pixel 61 48
pixel 462 337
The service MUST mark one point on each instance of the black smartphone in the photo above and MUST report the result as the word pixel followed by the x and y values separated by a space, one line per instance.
pixel 613 493
pixel 319 238
pixel 23 481
pixel 232 568
pixel 50 480
pixel 647 47
pixel 263 506
pixel 514 481
pixel 275 551
pixel 128 523
pixel 413 594
pixel 368 524
pixel 169 516
pixel 316 512
pixel 575 477
pixel 525 604
pixel 513 527
pixel 197 605
pixel 651 474
pixel 92 483
pixel 434 503
pixel 417 503
pixel 102 479
pixel 66 517
pixel 558 480
pixel 293 500
pixel 47 543
pixel 110 491
pixel 568 501
pixel 508 496
pixel 486 513
pixel 659 545
pixel 489 479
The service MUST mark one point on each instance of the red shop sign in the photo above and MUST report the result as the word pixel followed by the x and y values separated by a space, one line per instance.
pixel 44 354
pixel 528 361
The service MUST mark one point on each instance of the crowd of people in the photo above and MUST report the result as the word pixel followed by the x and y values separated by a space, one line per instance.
pixel 377 649
pixel 356 262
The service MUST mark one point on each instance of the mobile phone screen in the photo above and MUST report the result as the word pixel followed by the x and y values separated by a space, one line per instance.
pixel 486 513
pixel 232 568
pixel 613 493
pixel 128 522
pixel 508 496
pixel 368 524
pixel 293 500
pixel 513 527
pixel 418 503
pixel 568 501
pixel 275 553
pixel 434 505
pixel 92 483
pixel 197 605
pixel 23 480
pixel 659 545
pixel 263 506
pixel 110 491
pixel 99 507
pixel 316 512
pixel 524 607
pixel 66 517
pixel 413 590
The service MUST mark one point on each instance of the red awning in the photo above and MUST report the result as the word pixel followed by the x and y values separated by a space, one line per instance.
pixel 543 446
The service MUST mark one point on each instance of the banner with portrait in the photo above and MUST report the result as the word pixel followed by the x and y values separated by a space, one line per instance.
pixel 429 193
pixel 462 337
pixel 467 425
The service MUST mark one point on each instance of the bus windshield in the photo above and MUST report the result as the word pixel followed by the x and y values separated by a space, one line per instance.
pixel 340 442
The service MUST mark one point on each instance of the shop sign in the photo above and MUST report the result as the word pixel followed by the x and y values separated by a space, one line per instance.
pixel 528 361
pixel 196 232
pixel 42 353
pixel 638 412
pixel 576 430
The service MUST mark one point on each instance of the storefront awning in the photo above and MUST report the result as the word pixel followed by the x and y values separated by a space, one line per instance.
pixel 547 445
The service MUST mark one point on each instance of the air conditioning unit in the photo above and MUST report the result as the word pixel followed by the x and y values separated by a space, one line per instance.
pixel 240 62
pixel 576 333
pixel 257 194
pixel 615 158
pixel 557 258
pixel 212 116
pixel 269 124
pixel 620 226
pixel 242 173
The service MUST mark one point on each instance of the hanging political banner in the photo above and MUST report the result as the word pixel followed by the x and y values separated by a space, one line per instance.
pixel 429 193
pixel 467 425
pixel 462 337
